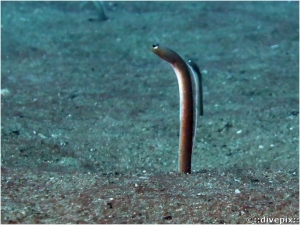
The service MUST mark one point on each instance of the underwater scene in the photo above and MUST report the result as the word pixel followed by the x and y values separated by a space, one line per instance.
pixel 102 121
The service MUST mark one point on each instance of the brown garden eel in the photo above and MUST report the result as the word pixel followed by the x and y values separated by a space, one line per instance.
pixel 191 102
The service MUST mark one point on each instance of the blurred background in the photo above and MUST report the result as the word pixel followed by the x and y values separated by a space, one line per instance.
pixel 79 93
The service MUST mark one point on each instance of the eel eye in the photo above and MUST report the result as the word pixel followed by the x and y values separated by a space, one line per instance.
pixel 155 46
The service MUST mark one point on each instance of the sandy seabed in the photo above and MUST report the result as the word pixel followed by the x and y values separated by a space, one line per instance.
pixel 90 116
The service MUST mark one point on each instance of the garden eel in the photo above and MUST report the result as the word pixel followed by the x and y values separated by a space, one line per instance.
pixel 190 102
pixel 197 80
